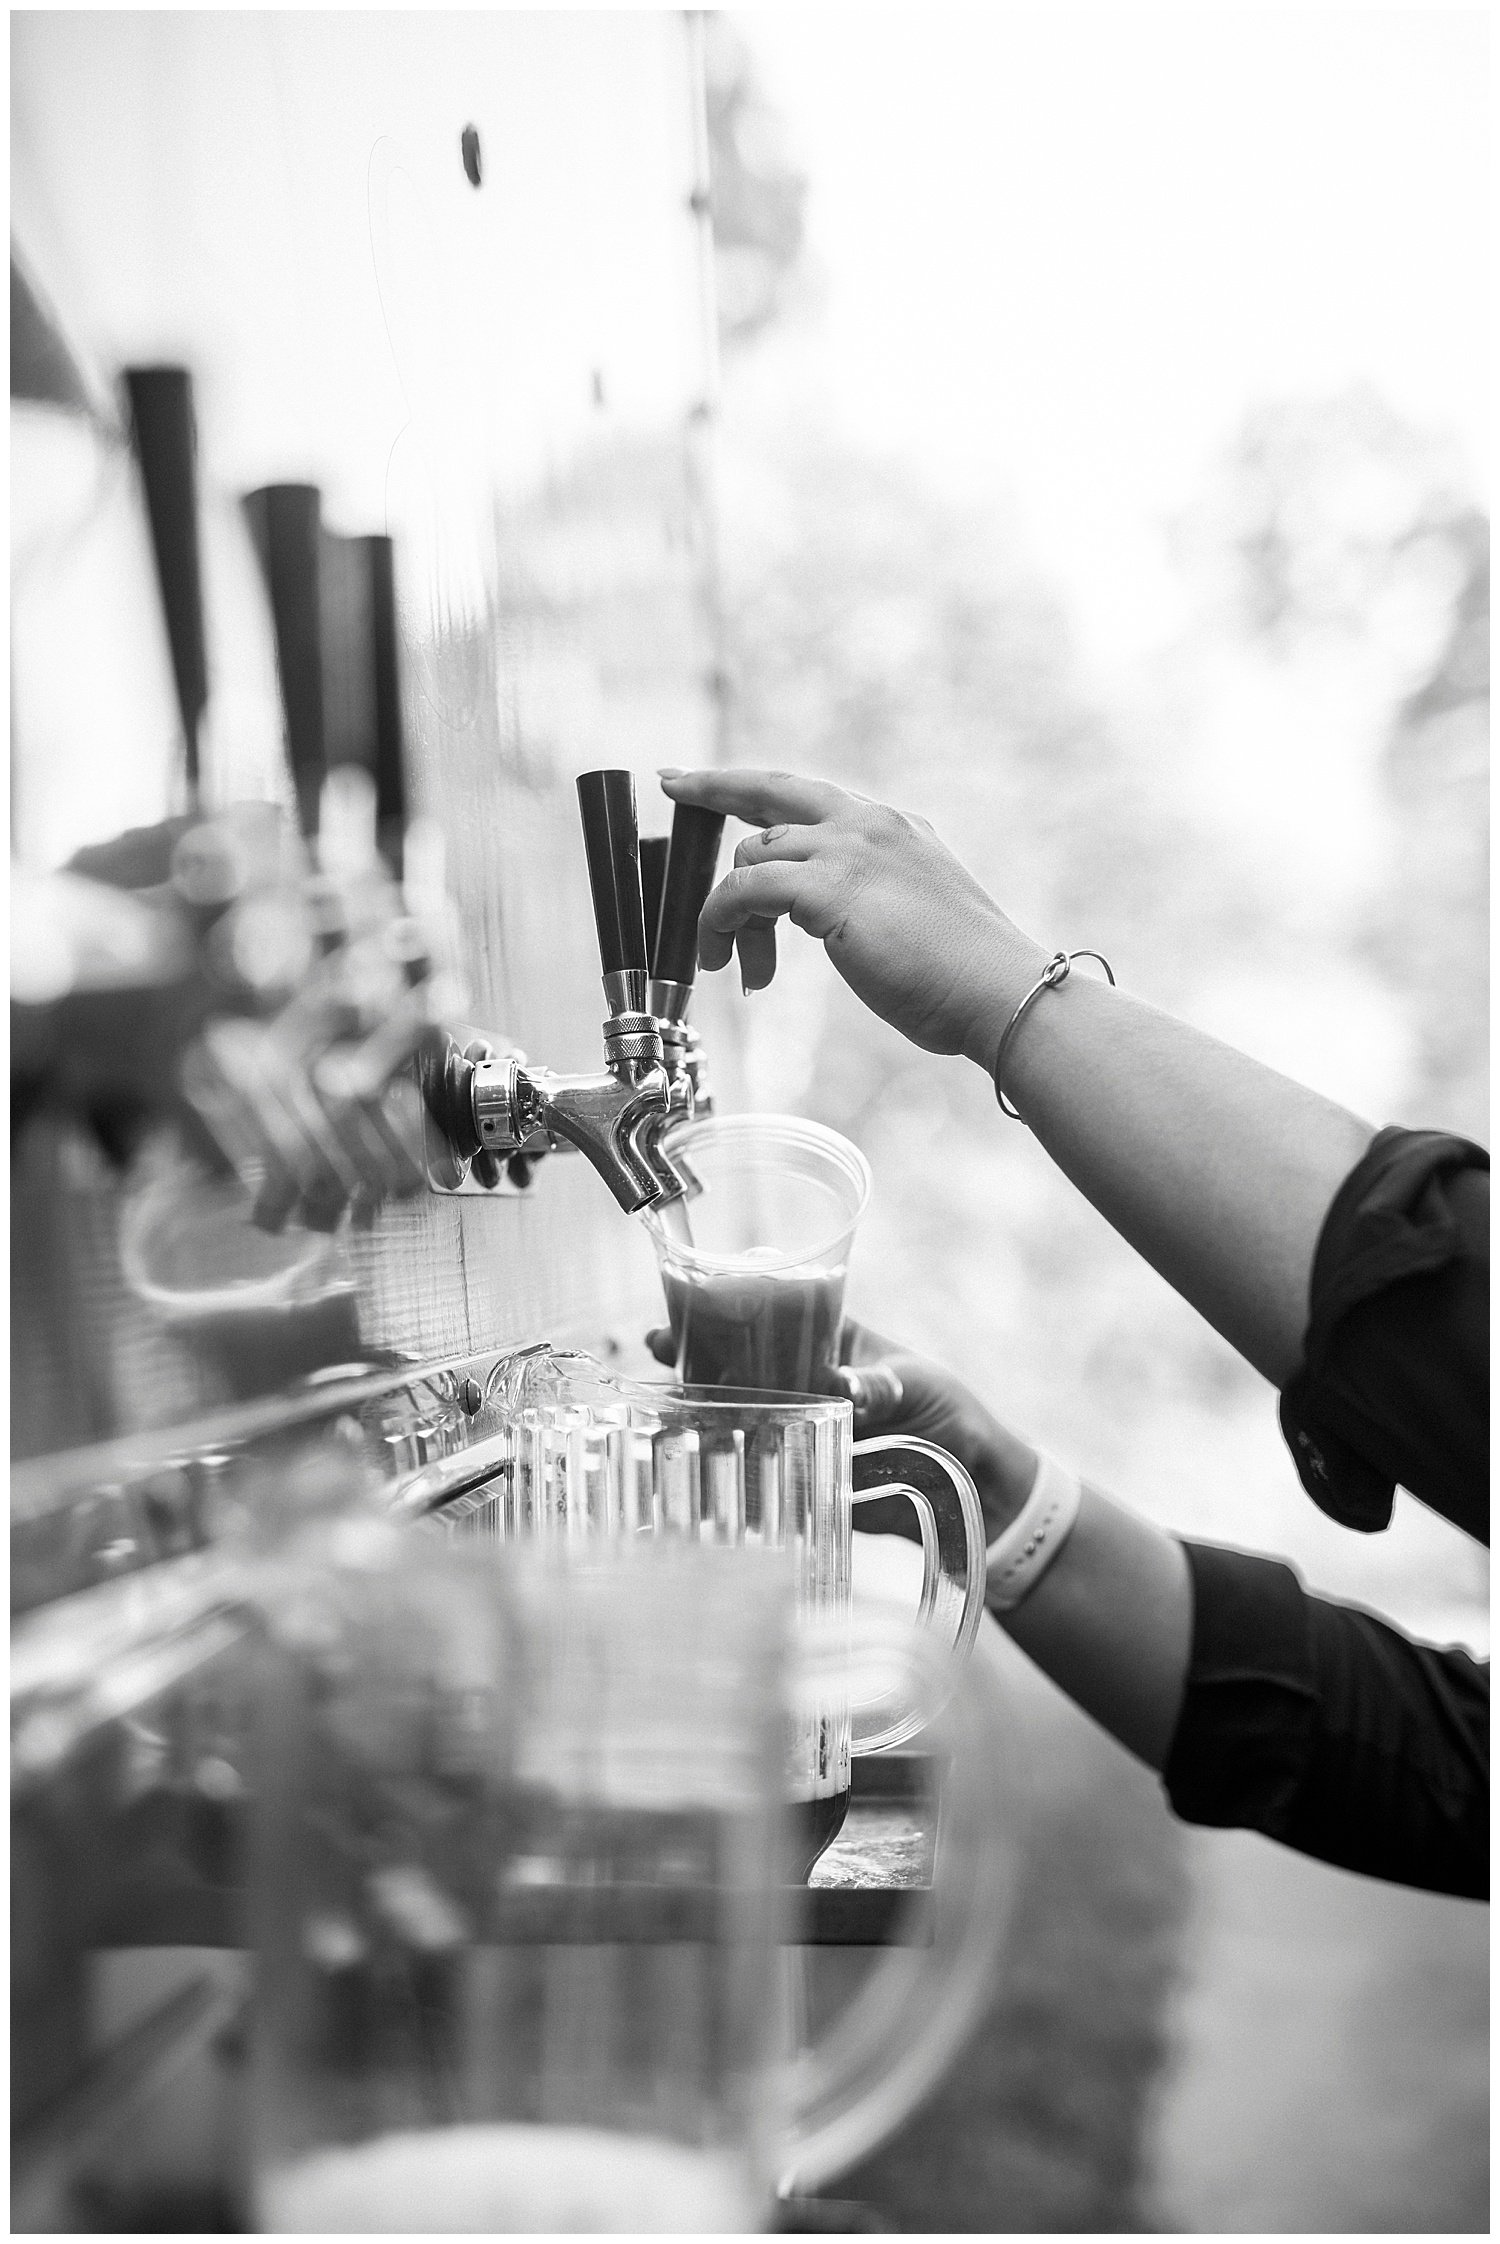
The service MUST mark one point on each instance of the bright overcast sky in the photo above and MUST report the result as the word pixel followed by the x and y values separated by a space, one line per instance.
pixel 1065 250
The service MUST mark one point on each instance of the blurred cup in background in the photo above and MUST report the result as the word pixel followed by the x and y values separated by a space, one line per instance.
pixel 259 1308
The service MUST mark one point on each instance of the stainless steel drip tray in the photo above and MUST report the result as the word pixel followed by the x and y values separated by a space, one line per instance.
pixel 871 1888
pixel 84 1517
pixel 873 1885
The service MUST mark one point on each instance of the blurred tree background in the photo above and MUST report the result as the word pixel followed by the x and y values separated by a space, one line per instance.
pixel 881 635
pixel 1338 526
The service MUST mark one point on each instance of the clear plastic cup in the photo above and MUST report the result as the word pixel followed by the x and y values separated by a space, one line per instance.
pixel 753 1260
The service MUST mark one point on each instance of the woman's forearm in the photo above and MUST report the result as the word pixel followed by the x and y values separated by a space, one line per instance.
pixel 1111 1622
pixel 1218 1170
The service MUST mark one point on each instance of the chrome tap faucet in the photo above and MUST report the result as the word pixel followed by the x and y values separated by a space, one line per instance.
pixel 633 1051
pixel 633 1041
pixel 698 1075
pixel 504 1108
pixel 519 1109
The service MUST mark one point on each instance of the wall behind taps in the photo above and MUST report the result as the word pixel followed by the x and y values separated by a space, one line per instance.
pixel 503 377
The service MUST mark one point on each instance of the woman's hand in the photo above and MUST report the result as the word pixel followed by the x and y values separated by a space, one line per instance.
pixel 896 1392
pixel 913 934
pixel 1214 1167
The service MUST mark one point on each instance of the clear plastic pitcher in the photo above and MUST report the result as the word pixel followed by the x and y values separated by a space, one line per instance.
pixel 592 1457
pixel 753 1261
pixel 518 1893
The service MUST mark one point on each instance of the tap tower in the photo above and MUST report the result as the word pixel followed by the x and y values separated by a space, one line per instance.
pixel 498 1110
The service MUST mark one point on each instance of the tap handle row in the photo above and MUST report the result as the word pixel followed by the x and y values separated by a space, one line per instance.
pixel 333 612
pixel 332 600
pixel 606 801
pixel 691 861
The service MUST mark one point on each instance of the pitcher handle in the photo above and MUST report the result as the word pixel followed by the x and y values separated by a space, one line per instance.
pixel 876 2059
pixel 953 1555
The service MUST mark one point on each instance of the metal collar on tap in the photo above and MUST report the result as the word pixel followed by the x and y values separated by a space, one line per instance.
pixel 669 1001
pixel 625 990
pixel 632 1041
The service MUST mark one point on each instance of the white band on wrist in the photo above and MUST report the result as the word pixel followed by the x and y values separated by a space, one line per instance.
pixel 1020 1555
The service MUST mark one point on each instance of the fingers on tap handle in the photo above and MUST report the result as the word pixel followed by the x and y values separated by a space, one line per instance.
pixel 606 802
pixel 692 861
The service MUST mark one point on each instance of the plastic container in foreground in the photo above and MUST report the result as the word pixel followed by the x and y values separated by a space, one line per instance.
pixel 479 1766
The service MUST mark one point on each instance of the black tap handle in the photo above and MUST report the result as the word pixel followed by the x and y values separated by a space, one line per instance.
pixel 285 522
pixel 692 860
pixel 347 646
pixel 165 442
pixel 653 872
pixel 606 800
pixel 390 749
pixel 361 674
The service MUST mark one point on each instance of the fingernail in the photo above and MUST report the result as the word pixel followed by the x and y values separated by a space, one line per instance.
pixel 669 771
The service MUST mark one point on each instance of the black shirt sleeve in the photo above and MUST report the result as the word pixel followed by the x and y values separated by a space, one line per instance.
pixel 1329 1730
pixel 1394 1381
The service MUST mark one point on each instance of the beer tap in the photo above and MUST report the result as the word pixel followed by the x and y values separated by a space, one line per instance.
pixel 504 1107
pixel 687 877
pixel 677 873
